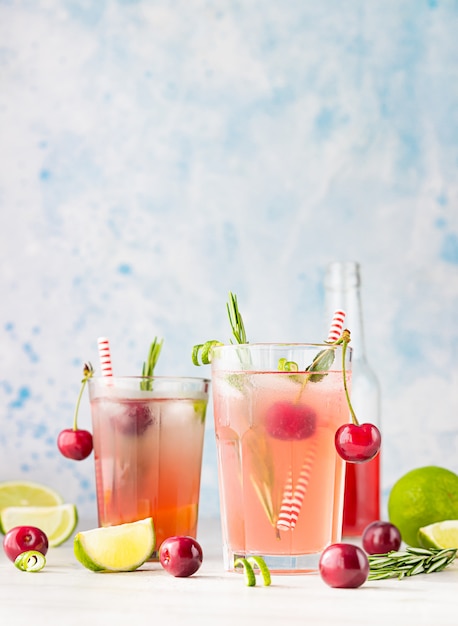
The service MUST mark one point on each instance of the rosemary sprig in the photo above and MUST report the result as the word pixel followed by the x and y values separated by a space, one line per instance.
pixel 409 562
pixel 235 318
pixel 202 352
pixel 150 364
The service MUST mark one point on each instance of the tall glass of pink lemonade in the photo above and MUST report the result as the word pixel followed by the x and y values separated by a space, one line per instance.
pixel 148 440
pixel 276 409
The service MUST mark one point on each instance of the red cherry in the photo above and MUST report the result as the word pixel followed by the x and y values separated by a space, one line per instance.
pixel 381 537
pixel 290 421
pixel 22 539
pixel 136 419
pixel 181 556
pixel 75 444
pixel 344 565
pixel 358 443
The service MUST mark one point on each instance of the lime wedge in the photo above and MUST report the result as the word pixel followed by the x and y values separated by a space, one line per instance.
pixel 200 408
pixel 439 535
pixel 23 493
pixel 121 548
pixel 58 522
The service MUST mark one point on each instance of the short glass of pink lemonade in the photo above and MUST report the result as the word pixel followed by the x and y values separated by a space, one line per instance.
pixel 281 479
pixel 148 441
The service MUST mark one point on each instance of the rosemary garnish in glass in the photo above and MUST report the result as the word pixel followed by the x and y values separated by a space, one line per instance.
pixel 202 352
pixel 150 364
pixel 409 562
pixel 235 319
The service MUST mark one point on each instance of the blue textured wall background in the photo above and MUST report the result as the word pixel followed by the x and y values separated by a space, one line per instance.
pixel 156 154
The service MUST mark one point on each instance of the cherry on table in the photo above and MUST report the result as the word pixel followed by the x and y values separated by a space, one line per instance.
pixel 22 539
pixel 75 444
pixel 181 556
pixel 381 537
pixel 344 565
pixel 290 422
pixel 358 443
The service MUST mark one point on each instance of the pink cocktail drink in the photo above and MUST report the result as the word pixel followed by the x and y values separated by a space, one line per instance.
pixel 148 451
pixel 281 480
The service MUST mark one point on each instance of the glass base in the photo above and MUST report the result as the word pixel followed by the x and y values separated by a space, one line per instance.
pixel 277 563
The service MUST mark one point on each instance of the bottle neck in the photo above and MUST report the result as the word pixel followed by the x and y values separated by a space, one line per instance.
pixel 343 291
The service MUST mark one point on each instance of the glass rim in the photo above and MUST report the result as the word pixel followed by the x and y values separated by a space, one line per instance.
pixel 263 357
pixel 164 378
pixel 280 344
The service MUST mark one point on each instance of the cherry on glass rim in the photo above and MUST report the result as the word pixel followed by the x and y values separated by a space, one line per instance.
pixel 22 539
pixel 358 443
pixel 75 444
pixel 344 565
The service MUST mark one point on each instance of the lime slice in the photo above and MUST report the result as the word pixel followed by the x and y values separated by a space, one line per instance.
pixel 23 493
pixel 439 535
pixel 121 548
pixel 57 522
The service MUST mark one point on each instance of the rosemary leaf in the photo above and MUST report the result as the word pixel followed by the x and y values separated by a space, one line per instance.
pixel 438 565
pixel 418 569
pixel 420 551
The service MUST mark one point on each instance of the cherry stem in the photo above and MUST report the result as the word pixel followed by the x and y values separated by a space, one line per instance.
pixel 345 341
pixel 88 372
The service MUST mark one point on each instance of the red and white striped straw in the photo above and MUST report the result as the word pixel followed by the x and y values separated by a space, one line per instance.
pixel 303 482
pixel 292 500
pixel 105 356
pixel 284 517
pixel 335 330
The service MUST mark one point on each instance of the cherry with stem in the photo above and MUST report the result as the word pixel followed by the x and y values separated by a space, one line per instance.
pixel 355 442
pixel 75 443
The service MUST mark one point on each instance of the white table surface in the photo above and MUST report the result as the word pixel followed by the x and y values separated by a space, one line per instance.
pixel 66 593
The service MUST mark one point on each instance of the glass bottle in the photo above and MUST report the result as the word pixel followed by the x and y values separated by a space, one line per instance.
pixel 362 480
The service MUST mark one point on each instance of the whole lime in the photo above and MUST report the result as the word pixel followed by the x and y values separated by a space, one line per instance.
pixel 422 496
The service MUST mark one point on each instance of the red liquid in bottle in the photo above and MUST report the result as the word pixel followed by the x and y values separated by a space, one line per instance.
pixel 362 480
pixel 362 496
